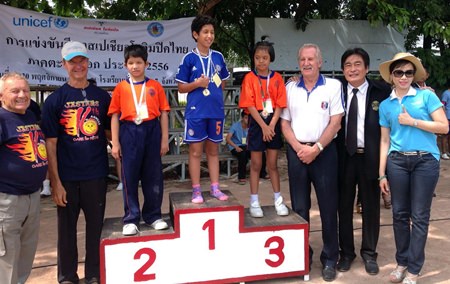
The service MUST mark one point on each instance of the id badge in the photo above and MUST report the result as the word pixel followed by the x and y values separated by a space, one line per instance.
pixel 244 140
pixel 143 112
pixel 216 79
pixel 268 106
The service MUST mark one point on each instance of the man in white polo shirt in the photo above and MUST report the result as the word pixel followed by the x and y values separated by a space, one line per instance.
pixel 309 124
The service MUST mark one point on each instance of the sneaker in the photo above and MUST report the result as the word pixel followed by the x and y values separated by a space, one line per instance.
pixel 242 181
pixel 197 195
pixel 445 156
pixel 46 188
pixel 280 207
pixel 255 210
pixel 119 186
pixel 219 194
pixel 159 224
pixel 130 229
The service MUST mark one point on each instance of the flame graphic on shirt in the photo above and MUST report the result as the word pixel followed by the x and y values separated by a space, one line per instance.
pixel 29 147
pixel 74 120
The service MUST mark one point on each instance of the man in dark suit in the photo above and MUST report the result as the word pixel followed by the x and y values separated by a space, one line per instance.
pixel 359 155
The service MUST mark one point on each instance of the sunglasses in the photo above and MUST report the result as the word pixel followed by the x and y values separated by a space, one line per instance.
pixel 400 73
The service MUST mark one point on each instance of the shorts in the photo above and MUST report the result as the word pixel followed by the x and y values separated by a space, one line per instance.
pixel 255 136
pixel 197 130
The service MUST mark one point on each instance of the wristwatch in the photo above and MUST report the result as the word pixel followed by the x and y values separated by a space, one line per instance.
pixel 415 123
pixel 320 146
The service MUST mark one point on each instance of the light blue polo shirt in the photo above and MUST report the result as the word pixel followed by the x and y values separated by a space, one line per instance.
pixel 446 101
pixel 238 133
pixel 420 104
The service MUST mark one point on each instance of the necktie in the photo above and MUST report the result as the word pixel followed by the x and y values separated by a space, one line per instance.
pixel 352 124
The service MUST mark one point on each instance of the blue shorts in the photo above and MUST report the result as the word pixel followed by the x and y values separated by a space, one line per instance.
pixel 197 130
pixel 255 136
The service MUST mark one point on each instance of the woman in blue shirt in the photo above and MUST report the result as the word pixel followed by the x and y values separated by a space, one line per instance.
pixel 409 160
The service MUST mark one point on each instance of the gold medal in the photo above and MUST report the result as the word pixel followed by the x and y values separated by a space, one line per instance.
pixel 206 92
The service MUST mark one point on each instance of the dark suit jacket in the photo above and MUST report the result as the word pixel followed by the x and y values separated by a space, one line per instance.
pixel 376 93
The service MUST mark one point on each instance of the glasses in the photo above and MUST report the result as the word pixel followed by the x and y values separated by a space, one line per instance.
pixel 400 73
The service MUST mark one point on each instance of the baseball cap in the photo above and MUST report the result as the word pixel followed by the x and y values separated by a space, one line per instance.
pixel 72 49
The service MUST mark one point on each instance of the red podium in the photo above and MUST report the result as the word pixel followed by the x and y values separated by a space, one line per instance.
pixel 213 242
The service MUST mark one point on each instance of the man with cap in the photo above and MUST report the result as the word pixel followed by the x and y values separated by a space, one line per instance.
pixel 359 156
pixel 75 123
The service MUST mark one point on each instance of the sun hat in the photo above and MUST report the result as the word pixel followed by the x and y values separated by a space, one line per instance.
pixel 384 67
pixel 72 49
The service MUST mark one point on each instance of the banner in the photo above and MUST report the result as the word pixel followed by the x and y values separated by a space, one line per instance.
pixel 31 42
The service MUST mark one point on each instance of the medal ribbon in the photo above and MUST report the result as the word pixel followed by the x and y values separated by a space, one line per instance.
pixel 267 87
pixel 133 91
pixel 206 73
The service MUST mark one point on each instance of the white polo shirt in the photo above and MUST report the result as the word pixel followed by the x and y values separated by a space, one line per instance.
pixel 310 112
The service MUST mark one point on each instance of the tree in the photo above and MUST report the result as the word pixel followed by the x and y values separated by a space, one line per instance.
pixel 427 19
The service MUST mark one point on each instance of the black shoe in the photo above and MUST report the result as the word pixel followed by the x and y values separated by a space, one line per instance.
pixel 344 264
pixel 371 266
pixel 329 273
pixel 93 280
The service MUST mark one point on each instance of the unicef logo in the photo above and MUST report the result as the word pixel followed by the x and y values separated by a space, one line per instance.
pixel 61 23
pixel 155 29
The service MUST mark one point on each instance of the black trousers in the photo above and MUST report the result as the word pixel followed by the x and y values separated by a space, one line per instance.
pixel 323 174
pixel 89 196
pixel 243 158
pixel 369 192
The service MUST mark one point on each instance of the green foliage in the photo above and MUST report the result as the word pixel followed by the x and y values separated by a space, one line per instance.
pixel 235 29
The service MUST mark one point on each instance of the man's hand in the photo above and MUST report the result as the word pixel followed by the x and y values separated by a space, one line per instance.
pixel 59 195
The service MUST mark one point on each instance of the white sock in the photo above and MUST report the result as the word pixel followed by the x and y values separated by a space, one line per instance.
pixel 276 195
pixel 253 198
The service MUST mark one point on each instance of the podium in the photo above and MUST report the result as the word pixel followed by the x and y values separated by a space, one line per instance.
pixel 213 242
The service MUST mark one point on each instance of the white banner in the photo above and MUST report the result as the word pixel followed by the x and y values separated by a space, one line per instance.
pixel 31 42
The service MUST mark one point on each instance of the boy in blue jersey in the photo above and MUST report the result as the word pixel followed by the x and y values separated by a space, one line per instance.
pixel 201 74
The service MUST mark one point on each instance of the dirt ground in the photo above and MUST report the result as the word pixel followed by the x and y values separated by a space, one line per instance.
pixel 436 268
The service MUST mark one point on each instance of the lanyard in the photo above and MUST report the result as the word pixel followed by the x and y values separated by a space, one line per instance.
pixel 267 85
pixel 206 73
pixel 136 105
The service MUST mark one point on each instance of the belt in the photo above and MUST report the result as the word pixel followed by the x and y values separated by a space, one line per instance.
pixel 359 150
pixel 413 153
pixel 308 143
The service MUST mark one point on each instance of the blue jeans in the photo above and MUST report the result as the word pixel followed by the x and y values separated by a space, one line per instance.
pixel 412 180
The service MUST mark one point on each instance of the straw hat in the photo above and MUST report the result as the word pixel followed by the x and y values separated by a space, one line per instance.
pixel 420 71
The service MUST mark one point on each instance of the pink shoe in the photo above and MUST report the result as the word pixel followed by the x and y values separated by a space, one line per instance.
pixel 219 194
pixel 197 196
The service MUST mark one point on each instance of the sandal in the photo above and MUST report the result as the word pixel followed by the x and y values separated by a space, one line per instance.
pixel 398 274
pixel 410 279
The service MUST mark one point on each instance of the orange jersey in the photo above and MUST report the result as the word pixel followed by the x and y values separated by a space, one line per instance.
pixel 123 104
pixel 252 93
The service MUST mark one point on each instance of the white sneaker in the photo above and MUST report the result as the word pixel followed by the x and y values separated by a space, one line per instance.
pixel 159 224
pixel 46 188
pixel 119 186
pixel 130 229
pixel 445 156
pixel 281 209
pixel 255 210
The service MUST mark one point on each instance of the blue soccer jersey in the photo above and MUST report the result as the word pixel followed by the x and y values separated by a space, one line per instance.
pixel 199 104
